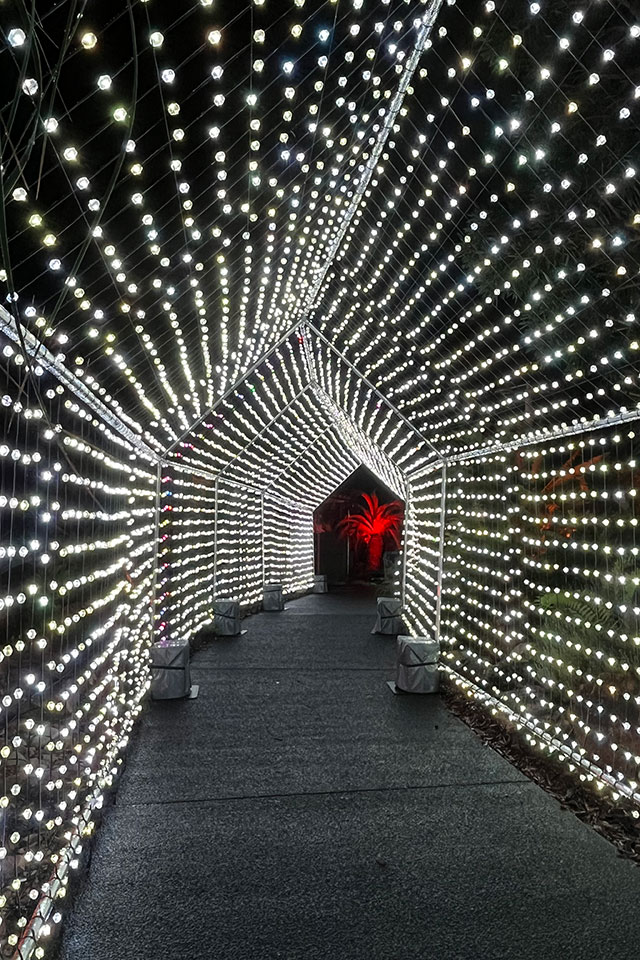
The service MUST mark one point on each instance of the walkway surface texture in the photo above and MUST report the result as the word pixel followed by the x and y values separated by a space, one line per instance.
pixel 298 809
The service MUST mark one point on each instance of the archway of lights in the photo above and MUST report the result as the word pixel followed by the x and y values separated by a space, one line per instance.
pixel 247 247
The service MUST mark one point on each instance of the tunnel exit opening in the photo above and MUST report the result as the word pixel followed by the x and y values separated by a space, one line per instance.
pixel 358 533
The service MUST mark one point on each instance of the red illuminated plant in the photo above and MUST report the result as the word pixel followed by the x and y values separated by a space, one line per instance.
pixel 377 522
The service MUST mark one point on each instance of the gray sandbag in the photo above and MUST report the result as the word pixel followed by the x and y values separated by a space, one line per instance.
pixel 272 599
pixel 389 620
pixel 170 673
pixel 417 665
pixel 226 618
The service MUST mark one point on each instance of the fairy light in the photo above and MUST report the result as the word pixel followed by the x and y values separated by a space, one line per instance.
pixel 483 286
pixel 89 40
pixel 16 37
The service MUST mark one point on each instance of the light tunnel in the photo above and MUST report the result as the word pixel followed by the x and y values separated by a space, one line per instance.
pixel 244 251
pixel 262 460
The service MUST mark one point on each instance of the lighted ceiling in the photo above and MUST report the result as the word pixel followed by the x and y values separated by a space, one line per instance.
pixel 185 183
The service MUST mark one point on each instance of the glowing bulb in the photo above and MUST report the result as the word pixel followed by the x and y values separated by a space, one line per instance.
pixel 16 37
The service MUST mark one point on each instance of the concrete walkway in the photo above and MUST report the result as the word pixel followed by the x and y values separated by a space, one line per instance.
pixel 299 810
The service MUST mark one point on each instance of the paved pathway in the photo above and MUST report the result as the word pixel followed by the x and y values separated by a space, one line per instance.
pixel 298 810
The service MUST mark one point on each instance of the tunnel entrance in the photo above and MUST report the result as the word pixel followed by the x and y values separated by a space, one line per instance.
pixel 358 532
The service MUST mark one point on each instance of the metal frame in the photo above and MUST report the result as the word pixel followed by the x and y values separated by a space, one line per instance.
pixel 39 353
pixel 309 446
pixel 443 510
pixel 156 546
pixel 25 340
pixel 305 331
pixel 375 390
pixel 231 390
pixel 265 429
pixel 569 431
pixel 262 536
pixel 43 356
pixel 215 538
pixel 340 412
pixel 405 545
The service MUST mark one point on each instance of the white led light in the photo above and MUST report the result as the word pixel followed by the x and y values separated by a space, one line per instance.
pixel 449 239
pixel 16 37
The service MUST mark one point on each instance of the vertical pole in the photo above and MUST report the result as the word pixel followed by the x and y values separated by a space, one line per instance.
pixel 405 545
pixel 262 535
pixel 156 550
pixel 215 538
pixel 348 539
pixel 443 506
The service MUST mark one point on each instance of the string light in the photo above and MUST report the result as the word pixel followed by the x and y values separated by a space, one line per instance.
pixel 237 280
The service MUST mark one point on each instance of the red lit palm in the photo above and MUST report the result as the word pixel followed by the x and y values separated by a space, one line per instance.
pixel 377 522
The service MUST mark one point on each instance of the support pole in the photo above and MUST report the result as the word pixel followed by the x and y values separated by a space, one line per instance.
pixel 215 539
pixel 443 507
pixel 156 549
pixel 348 551
pixel 405 545
pixel 262 536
